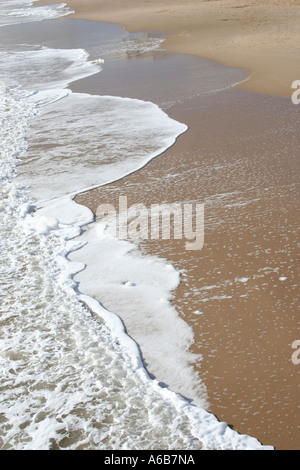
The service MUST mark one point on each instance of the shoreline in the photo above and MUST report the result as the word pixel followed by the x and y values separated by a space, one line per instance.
pixel 235 34
pixel 137 178
pixel 240 331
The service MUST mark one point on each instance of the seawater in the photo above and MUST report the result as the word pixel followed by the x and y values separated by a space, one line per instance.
pixel 71 378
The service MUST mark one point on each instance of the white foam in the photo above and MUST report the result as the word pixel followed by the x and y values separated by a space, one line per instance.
pixel 123 125
pixel 242 279
pixel 21 11
pixel 120 136
pixel 2 87
pixel 138 288
pixel 58 361
pixel 197 426
pixel 43 68
pixel 64 379
pixel 68 381
pixel 67 211
pixel 216 297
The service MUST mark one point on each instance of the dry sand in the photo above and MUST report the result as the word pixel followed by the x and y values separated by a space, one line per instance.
pixel 261 36
pixel 241 161
pixel 240 158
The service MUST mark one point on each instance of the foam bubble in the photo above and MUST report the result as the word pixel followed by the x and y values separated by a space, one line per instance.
pixel 22 11
pixel 43 68
pixel 2 87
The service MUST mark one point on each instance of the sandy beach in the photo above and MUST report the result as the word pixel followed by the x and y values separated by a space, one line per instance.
pixel 240 158
pixel 243 316
pixel 260 36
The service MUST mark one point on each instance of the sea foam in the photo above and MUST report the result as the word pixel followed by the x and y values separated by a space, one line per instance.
pixel 21 11
pixel 72 378
pixel 78 377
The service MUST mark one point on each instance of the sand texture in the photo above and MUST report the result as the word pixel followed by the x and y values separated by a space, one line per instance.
pixel 240 158
pixel 261 36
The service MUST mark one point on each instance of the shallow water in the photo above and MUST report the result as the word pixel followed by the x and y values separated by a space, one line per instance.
pixel 71 376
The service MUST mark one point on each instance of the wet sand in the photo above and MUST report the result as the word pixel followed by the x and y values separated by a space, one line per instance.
pixel 240 158
pixel 263 36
